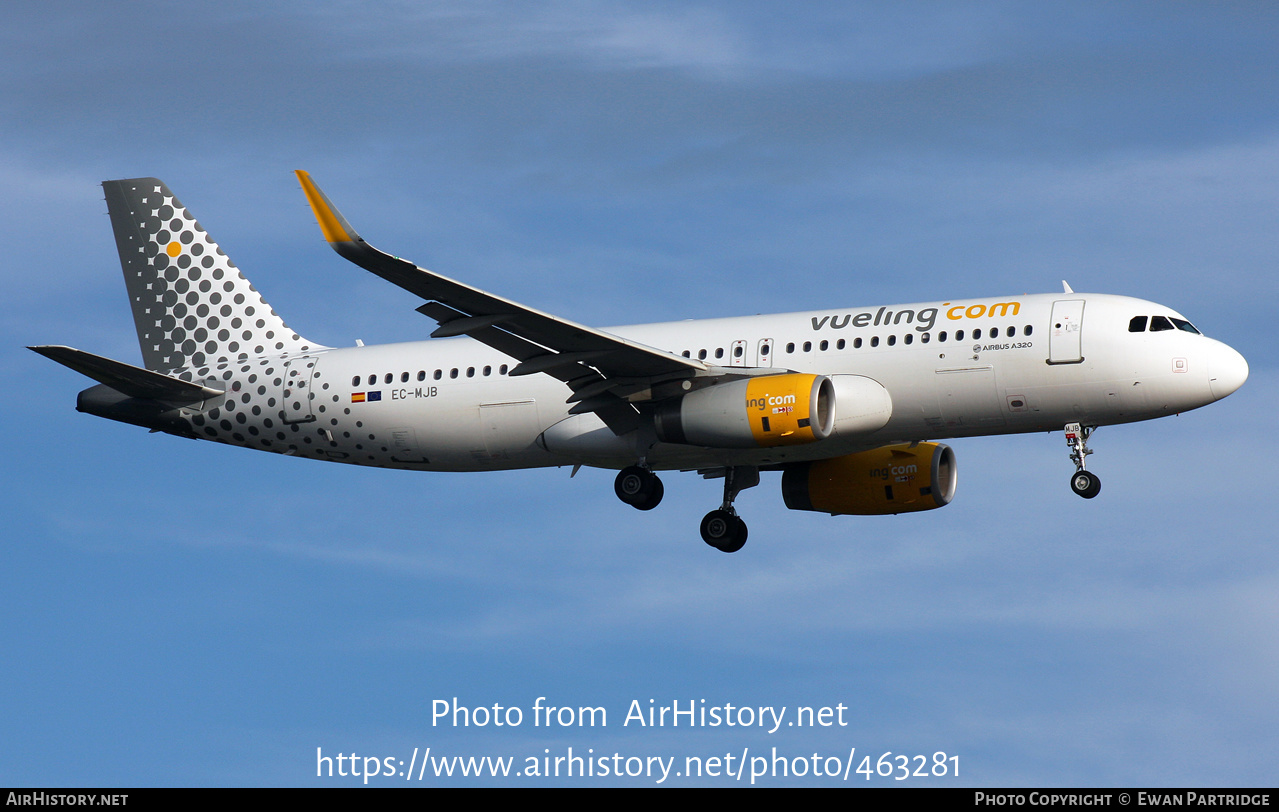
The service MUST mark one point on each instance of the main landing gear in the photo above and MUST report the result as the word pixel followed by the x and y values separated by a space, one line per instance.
pixel 723 529
pixel 1084 483
pixel 638 487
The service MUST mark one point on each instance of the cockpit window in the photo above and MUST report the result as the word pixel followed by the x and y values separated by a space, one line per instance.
pixel 1160 324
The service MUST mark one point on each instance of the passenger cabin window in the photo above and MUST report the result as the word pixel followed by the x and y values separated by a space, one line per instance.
pixel 1137 325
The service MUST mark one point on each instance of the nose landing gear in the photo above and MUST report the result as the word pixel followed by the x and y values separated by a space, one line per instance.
pixel 1084 483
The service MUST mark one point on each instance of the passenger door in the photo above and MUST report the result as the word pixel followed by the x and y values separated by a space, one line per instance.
pixel 1064 334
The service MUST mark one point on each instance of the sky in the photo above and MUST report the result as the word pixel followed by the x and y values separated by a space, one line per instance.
pixel 182 613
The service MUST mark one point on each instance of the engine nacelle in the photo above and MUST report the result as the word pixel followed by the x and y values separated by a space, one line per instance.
pixel 775 410
pixel 892 479
pixel 764 412
pixel 862 405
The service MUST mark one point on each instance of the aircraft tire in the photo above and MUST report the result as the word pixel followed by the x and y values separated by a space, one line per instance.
pixel 724 531
pixel 653 499
pixel 635 486
pixel 1086 484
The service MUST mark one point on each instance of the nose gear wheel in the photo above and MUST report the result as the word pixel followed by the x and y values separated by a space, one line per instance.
pixel 1085 483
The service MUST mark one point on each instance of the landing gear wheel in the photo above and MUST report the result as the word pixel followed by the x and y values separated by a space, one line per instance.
pixel 1085 484
pixel 724 531
pixel 638 487
pixel 653 499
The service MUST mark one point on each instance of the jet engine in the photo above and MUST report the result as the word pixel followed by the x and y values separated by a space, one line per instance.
pixel 892 479
pixel 774 410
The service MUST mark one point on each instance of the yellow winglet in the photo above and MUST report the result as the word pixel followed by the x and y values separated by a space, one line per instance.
pixel 334 226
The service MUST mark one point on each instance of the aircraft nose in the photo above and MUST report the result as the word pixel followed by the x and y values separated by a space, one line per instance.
pixel 1227 370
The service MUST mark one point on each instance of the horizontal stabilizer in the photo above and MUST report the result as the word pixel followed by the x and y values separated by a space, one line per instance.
pixel 128 380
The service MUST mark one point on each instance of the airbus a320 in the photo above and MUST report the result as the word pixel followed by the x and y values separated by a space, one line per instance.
pixel 847 403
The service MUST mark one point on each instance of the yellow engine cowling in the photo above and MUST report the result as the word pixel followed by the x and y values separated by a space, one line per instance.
pixel 892 479
pixel 774 410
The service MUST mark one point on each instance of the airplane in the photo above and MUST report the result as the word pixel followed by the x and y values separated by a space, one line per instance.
pixel 847 403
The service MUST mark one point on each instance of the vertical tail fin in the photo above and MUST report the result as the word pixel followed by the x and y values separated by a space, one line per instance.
pixel 192 307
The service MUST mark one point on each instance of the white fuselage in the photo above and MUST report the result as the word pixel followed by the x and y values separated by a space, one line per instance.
pixel 952 369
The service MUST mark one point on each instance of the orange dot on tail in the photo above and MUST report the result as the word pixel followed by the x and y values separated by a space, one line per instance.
pixel 174 248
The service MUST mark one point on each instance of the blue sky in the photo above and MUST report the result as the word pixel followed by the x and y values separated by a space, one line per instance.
pixel 182 613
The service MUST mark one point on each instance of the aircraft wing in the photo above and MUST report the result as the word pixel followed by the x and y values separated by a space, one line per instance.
pixel 595 364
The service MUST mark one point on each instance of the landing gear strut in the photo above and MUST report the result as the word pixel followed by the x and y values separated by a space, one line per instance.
pixel 638 487
pixel 723 529
pixel 1084 483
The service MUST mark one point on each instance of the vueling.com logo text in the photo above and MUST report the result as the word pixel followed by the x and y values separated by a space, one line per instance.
pixel 976 311
pixel 765 401
pixel 922 320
